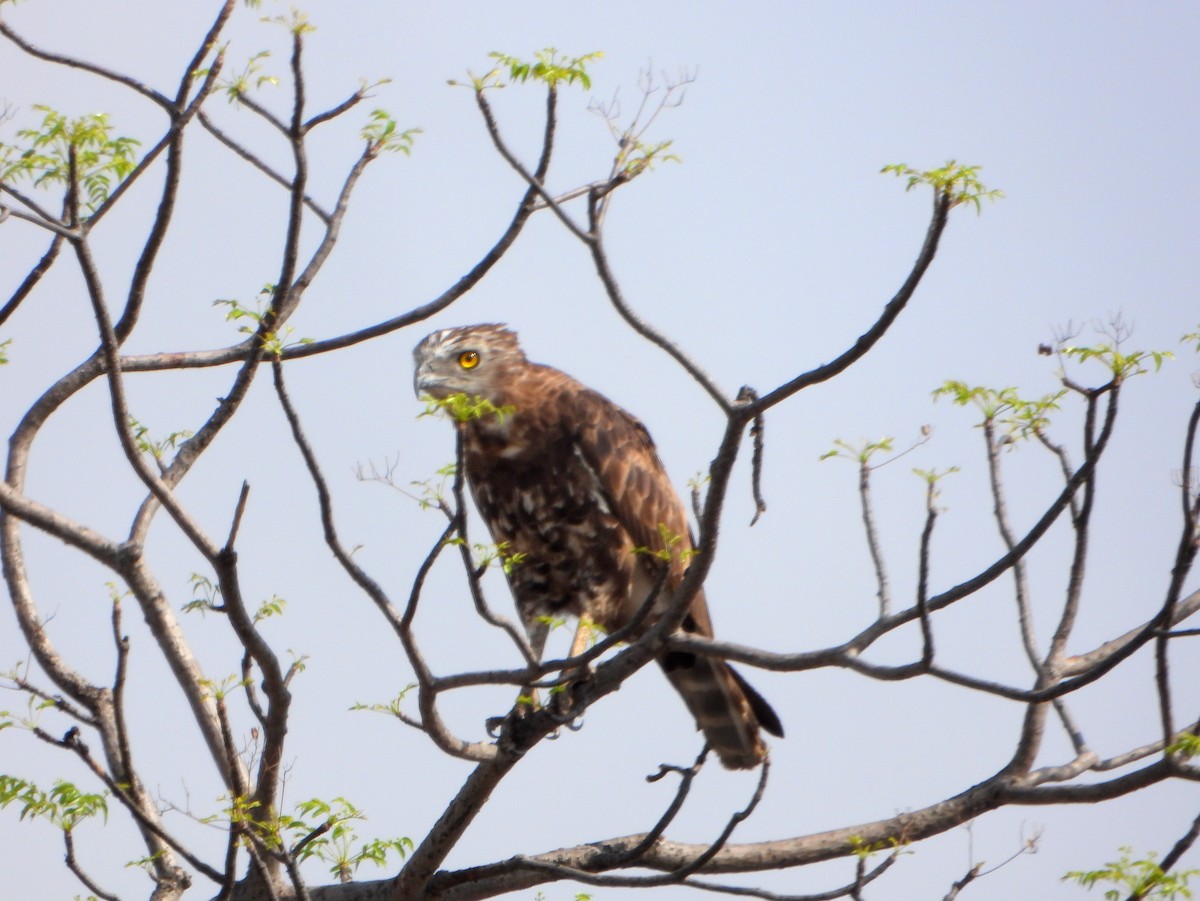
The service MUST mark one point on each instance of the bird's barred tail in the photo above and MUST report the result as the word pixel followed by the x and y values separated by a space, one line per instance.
pixel 727 709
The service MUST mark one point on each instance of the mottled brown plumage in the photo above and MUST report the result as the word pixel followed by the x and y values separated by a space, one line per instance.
pixel 572 482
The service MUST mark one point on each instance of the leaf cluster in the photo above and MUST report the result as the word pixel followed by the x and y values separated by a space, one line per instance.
pixel 548 66
pixel 670 547
pixel 958 182
pixel 64 805
pixel 636 156
pixel 484 555
pixel 933 476
pixel 433 494
pixel 1121 365
pixel 1019 416
pixel 383 136
pixel 320 830
pixel 1135 878
pixel 100 160
pixel 860 454
pixel 274 343
pixel 250 78
pixel 1186 745
pixel 156 448
pixel 205 595
pixel 862 849
pixel 462 408
pixel 391 707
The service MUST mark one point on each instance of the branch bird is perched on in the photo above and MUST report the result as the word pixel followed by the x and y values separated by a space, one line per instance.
pixel 572 482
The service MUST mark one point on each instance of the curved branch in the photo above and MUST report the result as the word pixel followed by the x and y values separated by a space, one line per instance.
pixel 146 91
pixel 30 281
pixel 639 325
pixel 868 339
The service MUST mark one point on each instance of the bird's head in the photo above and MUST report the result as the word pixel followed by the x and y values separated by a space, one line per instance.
pixel 476 360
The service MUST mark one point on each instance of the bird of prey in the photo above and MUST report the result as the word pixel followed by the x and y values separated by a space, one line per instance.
pixel 571 486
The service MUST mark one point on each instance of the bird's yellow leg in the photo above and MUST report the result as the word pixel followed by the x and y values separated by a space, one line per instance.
pixel 583 635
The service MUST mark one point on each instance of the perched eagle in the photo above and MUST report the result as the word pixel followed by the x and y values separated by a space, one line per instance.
pixel 571 482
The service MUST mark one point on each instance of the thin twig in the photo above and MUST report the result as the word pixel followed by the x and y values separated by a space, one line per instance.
pixel 757 434
pixel 74 867
pixel 30 281
pixel 674 877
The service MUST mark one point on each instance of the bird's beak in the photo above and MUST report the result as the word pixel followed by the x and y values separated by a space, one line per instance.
pixel 425 382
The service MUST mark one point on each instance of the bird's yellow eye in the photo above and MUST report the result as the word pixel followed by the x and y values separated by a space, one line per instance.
pixel 468 359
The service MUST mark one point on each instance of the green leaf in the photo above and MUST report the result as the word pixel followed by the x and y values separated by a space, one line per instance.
pixel 932 476
pixel 65 806
pixel 958 182
pixel 1004 406
pixel 548 66
pixel 272 606
pixel 1142 878
pixel 462 408
pixel 382 136
pixel 860 454
pixel 156 448
pixel 1185 745
pixel 102 160
pixel 1120 364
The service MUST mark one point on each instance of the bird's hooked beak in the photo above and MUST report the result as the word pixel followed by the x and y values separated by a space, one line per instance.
pixel 426 382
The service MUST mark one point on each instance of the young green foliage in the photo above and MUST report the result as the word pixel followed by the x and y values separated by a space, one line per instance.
pixel 383 137
pixel 669 549
pixel 1186 745
pixel 205 593
pixel 1192 337
pixel 272 342
pixel 1121 365
pixel 433 494
pixel 484 555
pixel 861 454
pixel 339 845
pixel 1135 878
pixel 548 66
pixel 251 78
pixel 462 408
pixel 4 351
pixel 318 830
pixel 863 849
pixel 219 691
pixel 960 183
pixel 34 705
pixel 1004 406
pixel 64 805
pixel 296 23
pixel 101 160
pixel 931 478
pixel 156 448
pixel 272 606
pixel 392 707
pixel 551 622
pixel 635 156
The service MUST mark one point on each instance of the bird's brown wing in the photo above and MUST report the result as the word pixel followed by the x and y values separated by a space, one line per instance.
pixel 617 448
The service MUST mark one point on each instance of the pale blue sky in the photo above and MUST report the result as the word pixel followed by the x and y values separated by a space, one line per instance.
pixel 765 252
